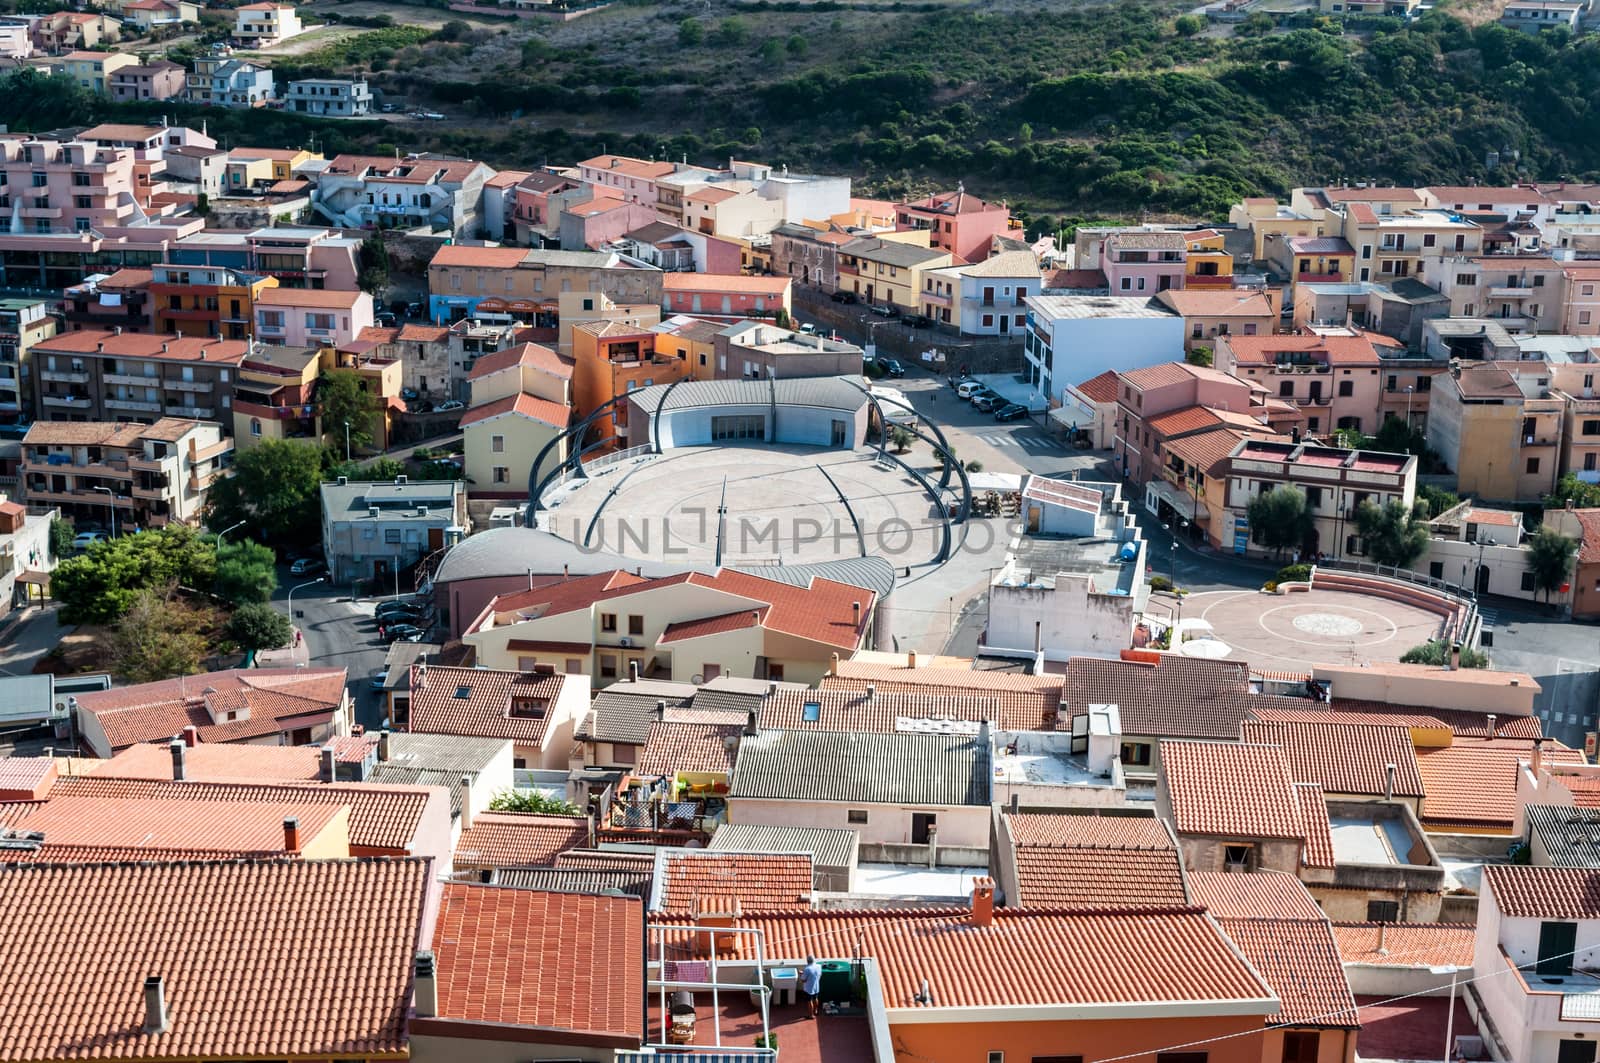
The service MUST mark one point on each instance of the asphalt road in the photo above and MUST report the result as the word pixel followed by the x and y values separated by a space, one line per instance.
pixel 339 633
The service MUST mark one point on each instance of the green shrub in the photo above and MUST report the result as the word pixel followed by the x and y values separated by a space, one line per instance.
pixel 1160 583
pixel 1271 586
pixel 1294 573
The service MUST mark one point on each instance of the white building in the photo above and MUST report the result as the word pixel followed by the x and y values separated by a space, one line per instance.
pixel 1538 942
pixel 1071 338
pixel 263 24
pixel 24 553
pixel 374 530
pixel 379 192
pixel 987 298
pixel 332 97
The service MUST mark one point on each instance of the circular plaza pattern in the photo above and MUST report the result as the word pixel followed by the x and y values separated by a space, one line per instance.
pixel 1322 626
pixel 781 504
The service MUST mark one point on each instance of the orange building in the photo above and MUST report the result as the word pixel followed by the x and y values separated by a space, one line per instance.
pixel 205 300
pixel 612 358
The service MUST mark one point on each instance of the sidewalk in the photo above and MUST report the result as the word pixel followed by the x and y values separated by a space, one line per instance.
pixel 294 655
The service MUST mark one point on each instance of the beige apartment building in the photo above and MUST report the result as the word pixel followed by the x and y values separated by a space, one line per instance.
pixel 1501 427
pixel 1525 292
pixel 106 376
pixel 69 186
pixel 149 475
pixel 525 282
pixel 1388 247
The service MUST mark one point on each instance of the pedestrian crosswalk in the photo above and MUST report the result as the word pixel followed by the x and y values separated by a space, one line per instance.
pixel 1025 440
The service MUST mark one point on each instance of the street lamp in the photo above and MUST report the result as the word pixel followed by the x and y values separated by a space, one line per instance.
pixel 1450 1017
pixel 111 504
pixel 1409 390
pixel 347 442
pixel 1477 576
pixel 228 529
pixel 319 579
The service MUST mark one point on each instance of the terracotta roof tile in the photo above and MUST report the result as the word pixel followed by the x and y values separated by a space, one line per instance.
pixel 1544 892
pixel 1157 376
pixel 1236 790
pixel 1028 702
pixel 330 298
pixel 675 747
pixel 554 414
pixel 606 860
pixel 1462 722
pixel 1474 780
pixel 558 961
pixel 158 829
pixel 625 164
pixel 149 712
pixel 1589 530
pixel 483 703
pixel 1300 961
pixel 217 762
pixel 1183 956
pixel 1406 944
pixel 1343 351
pixel 850 709
pixel 382 818
pixel 530 354
pixel 1346 759
pixel 255 956
pixel 725 282
pixel 1260 895
pixel 26 778
pixel 1199 302
pixel 761 882
pixel 1102 388
pixel 518 839
pixel 1077 861
pixel 1210 451
pixel 1319 832
pixel 739 620
pixel 146 345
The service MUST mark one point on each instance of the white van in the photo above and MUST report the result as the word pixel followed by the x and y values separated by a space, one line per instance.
pixel 967 388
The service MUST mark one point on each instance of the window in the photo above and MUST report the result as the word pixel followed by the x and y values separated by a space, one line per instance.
pixel 608 666
pixel 574 666
pixel 997 1057
pixel 1286 389
pixel 1429 240
pixel 856 816
pixel 1181 1057
pixel 1346 388
pixel 1383 911
pixel 1436 569
pixel 1127 284
pixel 1198 330
pixel 1527 581
pixel 608 621
pixel 811 711
pixel 1466 279
pixel 1135 753
pixel 255 426
pixel 1557 943
pixel 1300 1046
pixel 1533 465
pixel 391 535
pixel 635 625
pixel 1583 317
pixel 497 444
pixel 1238 857
pixel 502 474
pixel 1588 462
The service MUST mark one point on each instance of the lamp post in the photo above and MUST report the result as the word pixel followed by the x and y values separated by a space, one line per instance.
pixel 302 586
pixel 228 529
pixel 1453 970
pixel 1409 390
pixel 111 504
pixel 1477 576
pixel 347 442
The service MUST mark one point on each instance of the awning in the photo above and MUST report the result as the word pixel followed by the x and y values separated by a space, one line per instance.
pixel 1181 501
pixel 1068 417
pixel 42 579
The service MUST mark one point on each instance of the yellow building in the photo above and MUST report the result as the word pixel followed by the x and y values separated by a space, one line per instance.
pixel 520 400
pixel 884 271
pixel 692 341
pixel 1500 429
pixel 1208 263
pixel 1392 246
pixel 275 395
pixel 575 308
pixel 92 70
pixel 282 162
pixel 1266 217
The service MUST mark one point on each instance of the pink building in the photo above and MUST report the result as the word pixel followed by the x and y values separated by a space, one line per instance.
pixel 1166 401
pixel 633 179
pixel 530 204
pixel 67 186
pixel 160 80
pixel 721 296
pixel 1334 375
pixel 959 223
pixel 306 317
pixel 600 221
pixel 1144 263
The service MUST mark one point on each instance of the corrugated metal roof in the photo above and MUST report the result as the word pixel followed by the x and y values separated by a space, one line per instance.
pixel 828 847
pixel 835 393
pixel 1571 836
pixel 571 880
pixel 869 573
pixel 907 769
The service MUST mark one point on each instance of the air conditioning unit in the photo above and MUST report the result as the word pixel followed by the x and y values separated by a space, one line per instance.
pixel 625 642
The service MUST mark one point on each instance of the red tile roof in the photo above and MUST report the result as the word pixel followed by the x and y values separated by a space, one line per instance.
pixel 674 747
pixel 1474 780
pixel 1259 895
pixel 217 762
pixel 1029 702
pixel 518 839
pixel 1102 388
pixel 1076 861
pixel 1345 351
pixel 146 345
pixel 1209 451
pixel 1157 376
pixel 850 709
pixel 478 257
pixel 543 410
pixel 1462 722
pixel 1319 832
pixel 1180 697
pixel 330 298
pixel 606 860
pixel 1589 531
pixel 724 282
pixel 260 959
pixel 74 828
pixel 383 819
pixel 1235 790
pixel 1300 961
pixel 739 620
pixel 479 703
pixel 761 882
pixel 1181 955
pixel 530 354
pixel 26 778
pixel 150 712
pixel 1406 944
pixel 1346 759
pixel 1544 892
pixel 572 962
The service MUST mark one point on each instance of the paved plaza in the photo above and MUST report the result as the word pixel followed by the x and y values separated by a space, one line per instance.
pixel 1296 631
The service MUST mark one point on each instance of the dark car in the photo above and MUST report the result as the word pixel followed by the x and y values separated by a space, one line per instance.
pixel 845 297
pixel 401 614
pixel 985 403
pixel 1011 411
pixel 396 632
pixel 916 320
pixel 891 366
pixel 981 392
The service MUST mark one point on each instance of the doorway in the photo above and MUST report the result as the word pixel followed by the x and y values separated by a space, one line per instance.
pixel 923 826
pixel 1557 942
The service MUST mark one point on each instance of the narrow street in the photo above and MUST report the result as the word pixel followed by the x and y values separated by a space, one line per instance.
pixel 338 633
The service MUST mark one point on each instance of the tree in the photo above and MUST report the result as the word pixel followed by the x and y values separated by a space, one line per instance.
pixel 691 32
pixel 453 30
pixel 374 276
pixel 1437 499
pixel 101 585
pixel 732 31
pixel 531 801
pixel 258 626
pixel 1550 558
pixel 1279 519
pixel 771 50
pixel 1199 355
pixel 275 490
pixel 1189 25
pixel 61 536
pixel 246 572
pixel 1571 489
pixel 798 45
pixel 1396 534
pixel 1437 653
pixel 900 438
pixel 378 469
pixel 157 638
pixel 344 398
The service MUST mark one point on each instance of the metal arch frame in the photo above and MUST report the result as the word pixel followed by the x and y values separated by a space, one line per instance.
pixel 655 416
pixel 574 460
pixel 940 446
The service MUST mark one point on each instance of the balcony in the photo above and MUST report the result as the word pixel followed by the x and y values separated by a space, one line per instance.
pixel 1320 278
pixel 186 385
pixel 1315 400
pixel 152 492
pixel 84 497
pixel 200 481
pixel 48 213
pixel 1511 292
pixel 1208 280
pixel 70 402
pixel 204 413
pixel 936 298
pixel 132 381
pixel 217 449
pixel 148 464
pixel 132 406
pixel 275 413
pixel 64 378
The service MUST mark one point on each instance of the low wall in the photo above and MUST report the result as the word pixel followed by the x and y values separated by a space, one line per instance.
pixel 896 853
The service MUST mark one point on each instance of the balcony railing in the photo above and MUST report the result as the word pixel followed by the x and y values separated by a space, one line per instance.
pixel 148 464
pixel 133 405
pixel 132 380
pixel 1511 292
pixel 204 413
pixel 71 402
pixel 64 378
pixel 86 497
pixel 217 449
pixel 186 385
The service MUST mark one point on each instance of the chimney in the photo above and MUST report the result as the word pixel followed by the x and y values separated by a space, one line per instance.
pixel 155 1005
pixel 116 330
pixel 855 610
pixel 750 728
pixel 982 901
pixel 1455 656
pixel 383 745
pixel 466 802
pixel 833 664
pixel 911 658
pixel 1536 760
pixel 180 767
pixel 427 1002
pixel 422 672
pixel 661 709
pixel 1494 728
pixel 1383 939
pixel 772 687
pixel 1016 802
pixel 1038 636
pixel 1388 782
pixel 872 691
pixel 291 834
pixel 330 769
pixel 191 735
pixel 566 571
pixel 633 671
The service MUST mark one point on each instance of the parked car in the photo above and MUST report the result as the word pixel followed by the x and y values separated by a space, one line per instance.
pixel 891 366
pixel 955 382
pixel 986 402
pixel 84 540
pixel 396 605
pixel 396 632
pixel 413 310
pixel 306 566
pixel 808 328
pixel 845 297
pixel 916 320
pixel 450 406
pixel 885 310
pixel 409 394
pixel 389 108
pixel 385 319
pixel 1011 411
pixel 380 677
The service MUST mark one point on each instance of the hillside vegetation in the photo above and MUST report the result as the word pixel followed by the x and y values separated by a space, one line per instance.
pixel 1088 109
